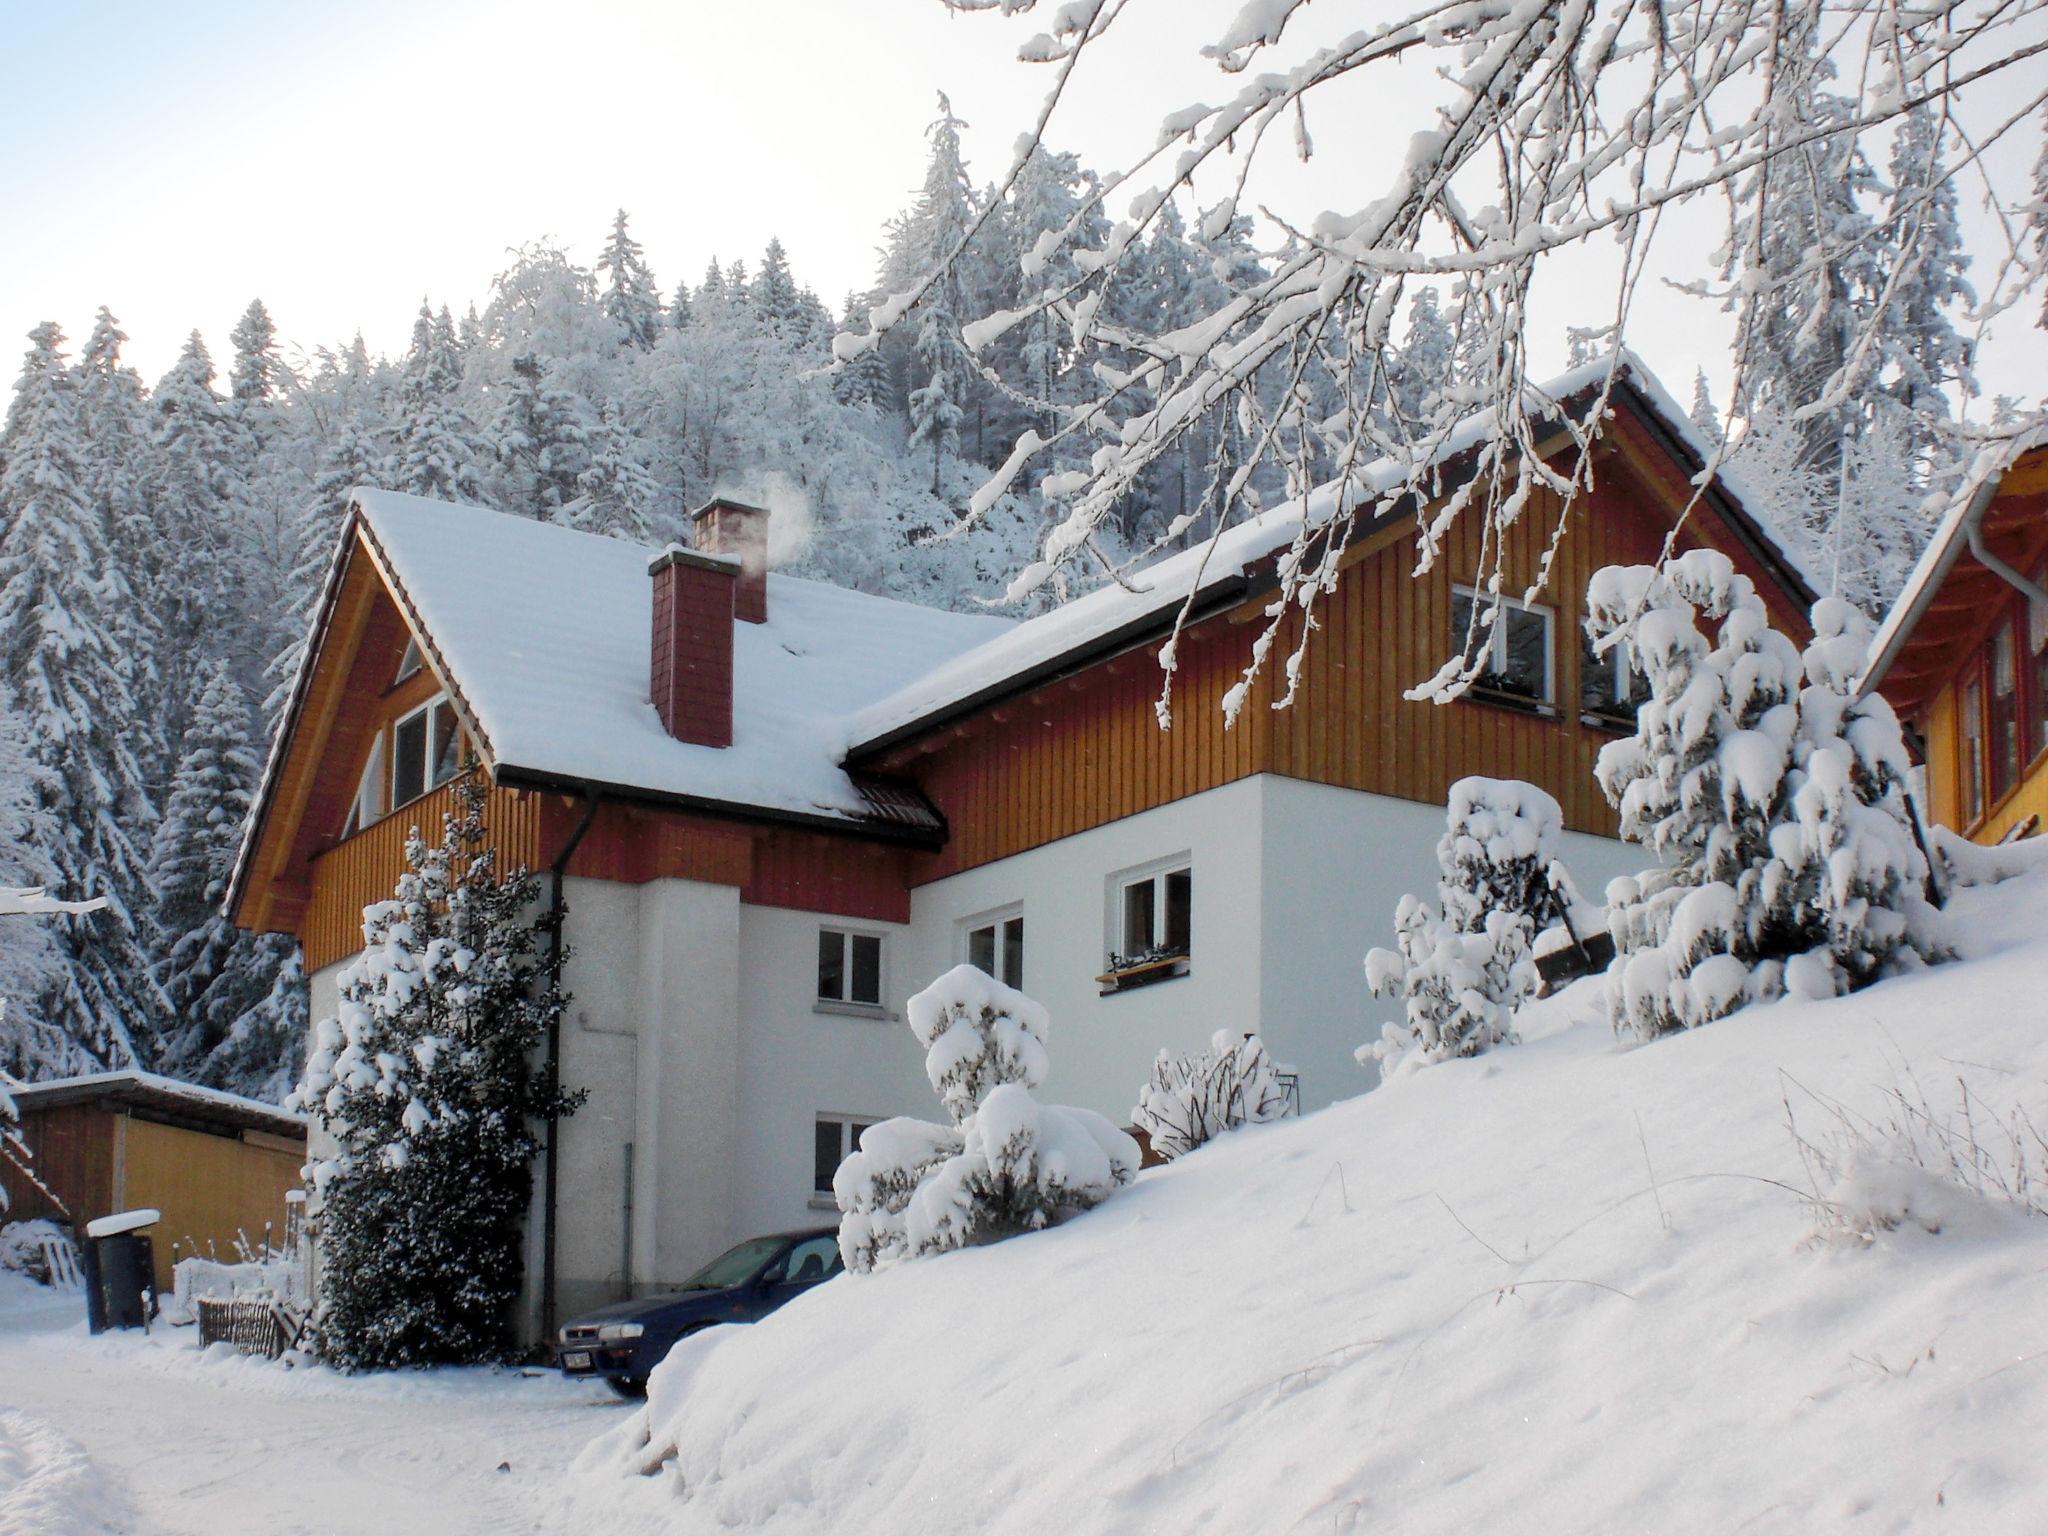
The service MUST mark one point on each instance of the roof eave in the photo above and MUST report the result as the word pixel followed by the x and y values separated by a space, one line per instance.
pixel 513 776
pixel 1219 597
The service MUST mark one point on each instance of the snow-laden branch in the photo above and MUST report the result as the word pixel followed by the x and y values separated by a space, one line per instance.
pixel 1555 125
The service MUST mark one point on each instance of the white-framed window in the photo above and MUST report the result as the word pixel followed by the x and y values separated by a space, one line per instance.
pixel 836 1138
pixel 368 804
pixel 426 750
pixel 1152 914
pixel 850 968
pixel 1611 687
pixel 994 942
pixel 1519 661
pixel 408 663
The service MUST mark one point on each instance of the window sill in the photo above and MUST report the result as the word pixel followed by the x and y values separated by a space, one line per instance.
pixel 850 1010
pixel 1514 703
pixel 1613 725
pixel 823 1203
pixel 1151 973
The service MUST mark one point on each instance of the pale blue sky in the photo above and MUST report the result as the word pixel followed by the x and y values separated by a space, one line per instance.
pixel 343 161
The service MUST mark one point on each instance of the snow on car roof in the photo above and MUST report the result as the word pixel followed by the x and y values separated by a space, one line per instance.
pixel 544 631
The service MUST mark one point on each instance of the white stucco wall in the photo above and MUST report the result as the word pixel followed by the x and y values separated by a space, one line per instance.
pixel 1102 1047
pixel 797 1062
pixel 1336 864
pixel 693 1024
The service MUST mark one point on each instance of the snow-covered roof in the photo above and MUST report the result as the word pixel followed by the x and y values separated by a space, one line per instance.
pixel 1950 542
pixel 1216 568
pixel 166 1093
pixel 544 632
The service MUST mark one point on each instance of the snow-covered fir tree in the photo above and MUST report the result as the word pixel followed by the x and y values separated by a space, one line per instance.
pixel 542 442
pixel 1773 799
pixel 425 1078
pixel 1463 967
pixel 228 1028
pixel 73 686
pixel 437 452
pixel 632 301
pixel 1193 1098
pixel 616 496
pixel 1005 1164
pixel 31 956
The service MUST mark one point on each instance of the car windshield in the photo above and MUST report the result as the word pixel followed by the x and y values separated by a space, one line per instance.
pixel 737 1265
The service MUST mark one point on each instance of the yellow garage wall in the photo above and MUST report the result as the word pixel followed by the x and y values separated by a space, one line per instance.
pixel 209 1188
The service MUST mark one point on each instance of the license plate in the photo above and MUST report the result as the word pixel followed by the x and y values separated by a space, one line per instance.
pixel 579 1361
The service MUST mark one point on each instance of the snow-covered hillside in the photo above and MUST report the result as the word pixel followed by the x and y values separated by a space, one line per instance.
pixel 1568 1286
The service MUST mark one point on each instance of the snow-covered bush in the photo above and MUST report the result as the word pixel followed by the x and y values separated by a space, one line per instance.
pixel 1006 1164
pixel 426 1081
pixel 1195 1098
pixel 1772 797
pixel 1463 967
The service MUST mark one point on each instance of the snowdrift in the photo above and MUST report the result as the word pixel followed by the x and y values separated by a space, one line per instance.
pixel 1697 1285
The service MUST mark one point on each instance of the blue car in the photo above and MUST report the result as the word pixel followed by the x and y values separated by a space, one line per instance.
pixel 628 1339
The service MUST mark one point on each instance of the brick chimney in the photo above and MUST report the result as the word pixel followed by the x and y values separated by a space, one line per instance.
pixel 690 668
pixel 733 528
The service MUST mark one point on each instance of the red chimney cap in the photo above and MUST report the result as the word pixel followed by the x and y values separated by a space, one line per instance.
pixel 678 554
pixel 729 505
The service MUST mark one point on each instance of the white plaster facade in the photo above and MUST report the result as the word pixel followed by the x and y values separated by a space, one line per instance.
pixel 695 1031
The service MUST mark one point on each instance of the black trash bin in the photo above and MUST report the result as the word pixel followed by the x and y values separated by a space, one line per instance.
pixel 120 1271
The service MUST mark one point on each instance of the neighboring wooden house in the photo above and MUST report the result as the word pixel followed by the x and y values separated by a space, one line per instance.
pixel 777 808
pixel 1963 658
pixel 217 1165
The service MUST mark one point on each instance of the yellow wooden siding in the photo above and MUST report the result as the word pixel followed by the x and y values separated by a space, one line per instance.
pixel 364 868
pixel 211 1189
pixel 1945 777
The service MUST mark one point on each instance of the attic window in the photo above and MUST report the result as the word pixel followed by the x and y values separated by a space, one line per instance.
pixel 368 804
pixel 426 751
pixel 409 663
pixel 1516 659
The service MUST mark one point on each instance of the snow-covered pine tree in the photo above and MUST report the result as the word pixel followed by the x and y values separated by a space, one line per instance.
pixel 542 442
pixel 357 455
pixel 1773 803
pixel 1924 262
pixel 437 453
pixel 1705 419
pixel 198 499
pixel 226 1028
pixel 425 1079
pixel 679 307
pixel 1464 967
pixel 1192 1099
pixel 31 958
pixel 774 291
pixel 259 375
pixel 934 410
pixel 73 686
pixel 632 301
pixel 616 495
pixel 1006 1164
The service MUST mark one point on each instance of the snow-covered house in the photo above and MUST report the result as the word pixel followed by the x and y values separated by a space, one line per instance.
pixel 776 808
pixel 1963 657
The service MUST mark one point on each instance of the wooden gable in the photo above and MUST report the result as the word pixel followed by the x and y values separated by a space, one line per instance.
pixel 1970 597
pixel 350 693
pixel 1937 673
pixel 1086 749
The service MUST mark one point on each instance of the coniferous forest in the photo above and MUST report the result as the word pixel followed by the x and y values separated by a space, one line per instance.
pixel 161 544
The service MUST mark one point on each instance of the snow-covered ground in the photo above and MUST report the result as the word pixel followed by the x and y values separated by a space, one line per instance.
pixel 1564 1287
pixel 137 1436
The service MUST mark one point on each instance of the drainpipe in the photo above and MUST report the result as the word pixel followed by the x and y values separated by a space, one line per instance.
pixel 1973 530
pixel 552 1070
